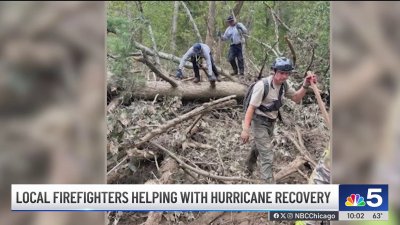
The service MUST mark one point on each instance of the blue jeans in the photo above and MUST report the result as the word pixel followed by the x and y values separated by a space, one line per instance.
pixel 235 51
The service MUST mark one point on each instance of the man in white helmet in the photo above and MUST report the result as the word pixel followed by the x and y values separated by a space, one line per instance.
pixel 263 110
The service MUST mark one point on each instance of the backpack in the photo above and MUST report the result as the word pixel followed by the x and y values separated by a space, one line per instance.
pixel 247 98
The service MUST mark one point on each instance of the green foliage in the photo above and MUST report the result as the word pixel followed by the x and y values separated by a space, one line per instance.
pixel 308 21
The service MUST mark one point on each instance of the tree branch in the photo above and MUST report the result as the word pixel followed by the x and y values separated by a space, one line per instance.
pixel 311 61
pixel 202 172
pixel 174 26
pixel 206 107
pixel 153 68
pixel 193 22
pixel 320 103
pixel 265 45
pixel 157 58
pixel 281 22
pixel 276 33
pixel 291 50
pixel 304 152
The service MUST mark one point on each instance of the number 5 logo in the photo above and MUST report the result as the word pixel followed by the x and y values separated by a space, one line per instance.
pixel 372 195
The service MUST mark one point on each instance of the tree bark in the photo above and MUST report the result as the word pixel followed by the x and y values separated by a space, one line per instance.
pixel 193 22
pixel 237 8
pixel 190 91
pixel 174 26
pixel 156 57
pixel 276 35
pixel 289 169
pixel 158 72
pixel 320 103
pixel 211 24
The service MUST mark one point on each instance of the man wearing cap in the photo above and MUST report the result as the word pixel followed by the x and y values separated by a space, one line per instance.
pixel 262 113
pixel 195 53
pixel 234 34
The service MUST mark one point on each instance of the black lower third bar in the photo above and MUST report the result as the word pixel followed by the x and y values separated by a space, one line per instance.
pixel 304 215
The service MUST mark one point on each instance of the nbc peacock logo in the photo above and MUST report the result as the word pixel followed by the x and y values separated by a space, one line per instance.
pixel 355 200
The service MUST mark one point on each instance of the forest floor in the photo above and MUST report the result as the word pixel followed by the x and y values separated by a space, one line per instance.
pixel 212 145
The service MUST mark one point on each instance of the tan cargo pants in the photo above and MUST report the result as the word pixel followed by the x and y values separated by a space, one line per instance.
pixel 263 131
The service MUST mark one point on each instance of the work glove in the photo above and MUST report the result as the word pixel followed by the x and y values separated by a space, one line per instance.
pixel 179 74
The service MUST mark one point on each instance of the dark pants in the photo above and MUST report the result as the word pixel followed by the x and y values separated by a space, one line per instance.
pixel 235 51
pixel 196 67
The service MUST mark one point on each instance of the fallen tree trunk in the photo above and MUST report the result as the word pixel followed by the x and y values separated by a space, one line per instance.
pixel 191 91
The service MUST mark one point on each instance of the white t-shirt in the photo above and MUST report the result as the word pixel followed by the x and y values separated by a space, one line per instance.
pixel 273 93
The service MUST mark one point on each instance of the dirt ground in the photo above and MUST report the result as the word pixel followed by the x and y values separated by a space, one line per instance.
pixel 221 151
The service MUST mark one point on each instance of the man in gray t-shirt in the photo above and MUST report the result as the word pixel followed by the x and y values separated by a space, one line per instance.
pixel 195 53
pixel 261 114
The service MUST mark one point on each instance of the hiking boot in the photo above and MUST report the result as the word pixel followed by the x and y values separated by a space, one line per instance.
pixel 218 79
pixel 212 83
pixel 270 181
pixel 250 165
pixel 249 169
pixel 241 74
pixel 196 80
pixel 233 73
pixel 251 161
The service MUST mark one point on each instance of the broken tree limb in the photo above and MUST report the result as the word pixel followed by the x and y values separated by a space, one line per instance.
pixel 158 72
pixel 289 169
pixel 207 218
pixel 304 152
pixel 168 167
pixel 193 22
pixel 177 60
pixel 189 130
pixel 190 91
pixel 262 43
pixel 301 142
pixel 202 172
pixel 171 123
pixel 194 144
pixel 141 154
pixel 291 50
pixel 311 61
pixel 191 175
pixel 206 107
pixel 321 104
